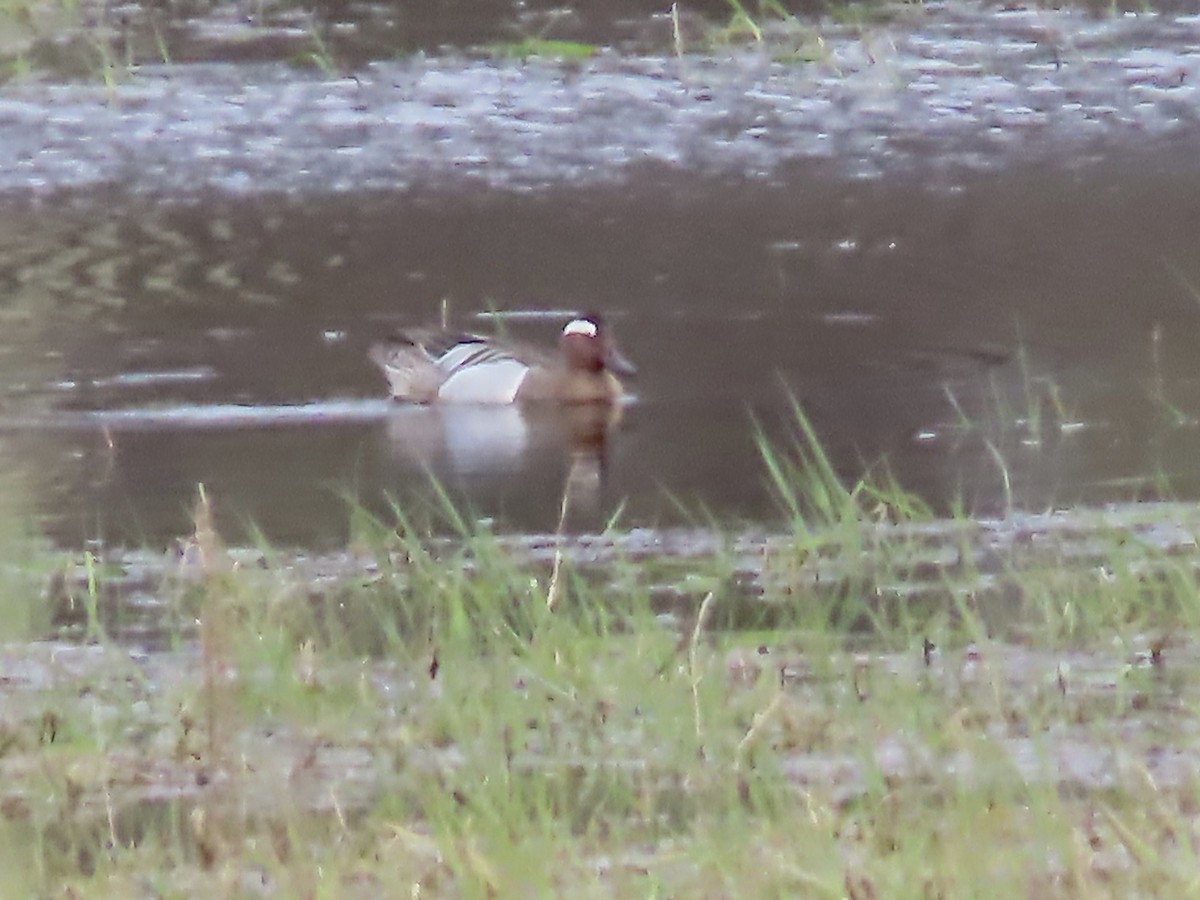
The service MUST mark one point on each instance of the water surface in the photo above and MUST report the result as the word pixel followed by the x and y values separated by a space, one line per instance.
pixel 967 251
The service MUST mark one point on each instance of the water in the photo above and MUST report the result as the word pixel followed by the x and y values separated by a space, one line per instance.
pixel 962 259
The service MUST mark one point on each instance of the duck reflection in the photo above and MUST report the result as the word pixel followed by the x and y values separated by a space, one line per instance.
pixel 553 450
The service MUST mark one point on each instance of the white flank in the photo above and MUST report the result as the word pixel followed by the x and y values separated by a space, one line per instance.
pixel 489 382
pixel 580 326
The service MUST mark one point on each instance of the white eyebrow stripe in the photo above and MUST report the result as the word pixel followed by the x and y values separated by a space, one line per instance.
pixel 580 326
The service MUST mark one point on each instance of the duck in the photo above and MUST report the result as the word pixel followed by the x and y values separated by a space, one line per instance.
pixel 427 366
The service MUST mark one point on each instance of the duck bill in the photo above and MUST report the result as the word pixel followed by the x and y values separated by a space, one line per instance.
pixel 616 362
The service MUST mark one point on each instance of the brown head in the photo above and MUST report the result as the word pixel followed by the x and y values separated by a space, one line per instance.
pixel 587 347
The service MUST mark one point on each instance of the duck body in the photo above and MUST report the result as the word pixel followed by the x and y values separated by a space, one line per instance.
pixel 429 365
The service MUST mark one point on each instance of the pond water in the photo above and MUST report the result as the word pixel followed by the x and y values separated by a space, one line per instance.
pixel 966 244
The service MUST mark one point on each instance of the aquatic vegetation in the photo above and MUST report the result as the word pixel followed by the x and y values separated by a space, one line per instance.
pixel 319 55
pixel 785 35
pixel 543 48
pixel 68 39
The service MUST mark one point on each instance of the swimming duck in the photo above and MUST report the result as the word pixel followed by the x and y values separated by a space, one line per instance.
pixel 428 365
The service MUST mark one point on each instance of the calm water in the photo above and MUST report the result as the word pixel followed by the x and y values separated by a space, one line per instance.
pixel 1000 302
pixel 872 304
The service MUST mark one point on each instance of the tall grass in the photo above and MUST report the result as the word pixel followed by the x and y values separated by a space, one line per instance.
pixel 415 718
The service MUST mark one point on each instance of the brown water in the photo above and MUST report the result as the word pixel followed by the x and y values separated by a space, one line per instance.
pixel 959 256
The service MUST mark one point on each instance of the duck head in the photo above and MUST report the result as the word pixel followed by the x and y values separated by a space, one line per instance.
pixel 587 346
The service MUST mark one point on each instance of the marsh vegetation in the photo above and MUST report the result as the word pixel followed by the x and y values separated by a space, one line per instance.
pixel 853 705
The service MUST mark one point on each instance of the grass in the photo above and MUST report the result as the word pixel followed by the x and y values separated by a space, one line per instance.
pixel 414 717
pixel 784 35
pixel 542 48
pixel 64 39
pixel 318 55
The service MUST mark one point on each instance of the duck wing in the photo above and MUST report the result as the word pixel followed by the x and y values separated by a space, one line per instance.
pixel 467 352
pixel 423 364
pixel 453 351
pixel 437 342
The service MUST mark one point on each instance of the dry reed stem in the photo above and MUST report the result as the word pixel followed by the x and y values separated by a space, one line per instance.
pixel 216 627
pixel 761 721
pixel 555 589
pixel 694 658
